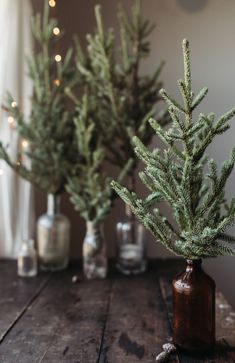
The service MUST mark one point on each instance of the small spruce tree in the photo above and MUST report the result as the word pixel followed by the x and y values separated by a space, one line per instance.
pixel 126 98
pixel 49 131
pixel 87 183
pixel 177 177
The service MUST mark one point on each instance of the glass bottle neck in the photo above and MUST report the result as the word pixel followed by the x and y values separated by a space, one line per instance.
pixel 27 248
pixel 53 204
pixel 93 228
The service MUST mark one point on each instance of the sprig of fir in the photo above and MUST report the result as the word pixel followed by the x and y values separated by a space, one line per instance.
pixel 177 177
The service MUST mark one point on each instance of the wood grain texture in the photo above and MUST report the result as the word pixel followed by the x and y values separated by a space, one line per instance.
pixel 49 319
pixel 137 324
pixel 78 336
pixel 16 294
pixel 65 324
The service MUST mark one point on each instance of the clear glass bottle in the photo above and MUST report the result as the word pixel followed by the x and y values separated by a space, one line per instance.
pixel 131 238
pixel 27 259
pixel 94 252
pixel 53 237
pixel 194 310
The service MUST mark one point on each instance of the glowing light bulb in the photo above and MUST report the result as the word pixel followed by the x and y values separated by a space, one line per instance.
pixel 58 58
pixel 56 31
pixel 57 82
pixel 52 3
pixel 25 144
pixel 11 120
pixel 14 104
pixel 1 172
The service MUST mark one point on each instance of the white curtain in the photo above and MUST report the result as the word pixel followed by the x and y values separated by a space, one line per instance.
pixel 16 197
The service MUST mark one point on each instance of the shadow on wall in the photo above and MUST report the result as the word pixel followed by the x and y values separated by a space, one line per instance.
pixel 192 6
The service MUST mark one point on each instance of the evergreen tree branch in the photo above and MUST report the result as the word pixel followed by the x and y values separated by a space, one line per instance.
pixel 177 177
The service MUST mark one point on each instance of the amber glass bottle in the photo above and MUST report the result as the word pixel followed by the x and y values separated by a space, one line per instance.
pixel 194 310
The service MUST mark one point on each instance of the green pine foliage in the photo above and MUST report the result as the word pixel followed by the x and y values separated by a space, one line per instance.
pixel 49 130
pixel 126 98
pixel 186 179
pixel 87 184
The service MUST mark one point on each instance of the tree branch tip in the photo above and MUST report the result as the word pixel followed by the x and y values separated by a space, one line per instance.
pixel 151 121
pixel 180 81
pixel 114 184
pixel 162 91
pixel 97 8
pixel 185 43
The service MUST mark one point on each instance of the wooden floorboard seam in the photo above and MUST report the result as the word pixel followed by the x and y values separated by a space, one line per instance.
pixel 26 307
pixel 122 319
pixel 48 347
pixel 105 323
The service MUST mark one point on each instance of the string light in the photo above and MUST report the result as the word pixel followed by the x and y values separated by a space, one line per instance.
pixel 25 144
pixel 58 58
pixel 11 120
pixel 52 3
pixel 56 31
pixel 14 104
pixel 57 82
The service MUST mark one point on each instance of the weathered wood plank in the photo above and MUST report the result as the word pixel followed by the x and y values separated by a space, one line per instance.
pixel 80 331
pixel 65 324
pixel 137 324
pixel 119 320
pixel 225 328
pixel 16 294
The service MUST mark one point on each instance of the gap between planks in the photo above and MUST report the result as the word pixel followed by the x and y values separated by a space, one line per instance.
pixel 106 319
pixel 26 307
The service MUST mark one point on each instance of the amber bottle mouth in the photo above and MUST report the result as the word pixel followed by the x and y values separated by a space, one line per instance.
pixel 196 262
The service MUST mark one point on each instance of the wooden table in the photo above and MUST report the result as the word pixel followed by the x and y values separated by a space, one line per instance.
pixel 49 319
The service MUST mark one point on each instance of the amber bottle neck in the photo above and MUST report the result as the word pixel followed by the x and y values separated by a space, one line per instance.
pixel 193 264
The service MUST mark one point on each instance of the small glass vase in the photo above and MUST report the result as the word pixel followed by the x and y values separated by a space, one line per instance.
pixel 27 259
pixel 95 263
pixel 53 237
pixel 194 310
pixel 131 240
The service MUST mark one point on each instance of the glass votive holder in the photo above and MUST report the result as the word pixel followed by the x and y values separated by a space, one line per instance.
pixel 131 254
pixel 27 259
